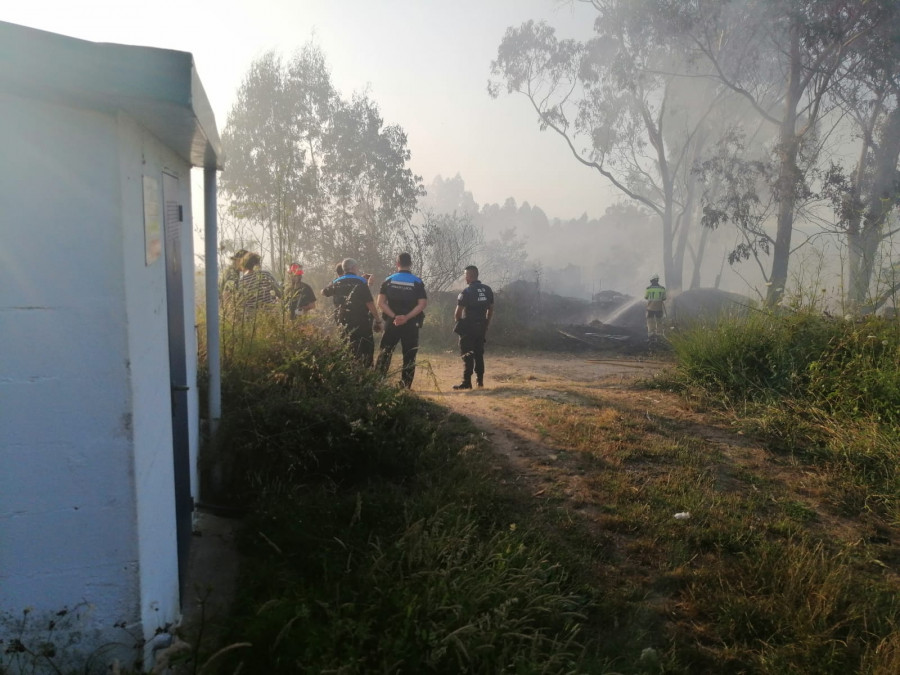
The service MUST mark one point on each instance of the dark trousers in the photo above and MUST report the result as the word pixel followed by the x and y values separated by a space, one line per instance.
pixel 408 337
pixel 471 349
pixel 362 343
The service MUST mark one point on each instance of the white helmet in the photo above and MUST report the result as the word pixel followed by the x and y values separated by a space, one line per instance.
pixel 655 277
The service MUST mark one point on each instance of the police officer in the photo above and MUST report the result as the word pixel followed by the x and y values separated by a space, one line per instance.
pixel 355 310
pixel 655 295
pixel 474 309
pixel 402 301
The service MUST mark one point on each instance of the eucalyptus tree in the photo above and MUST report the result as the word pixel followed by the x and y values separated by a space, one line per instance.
pixel 612 101
pixel 783 58
pixel 273 142
pixel 865 194
pixel 323 177
pixel 372 192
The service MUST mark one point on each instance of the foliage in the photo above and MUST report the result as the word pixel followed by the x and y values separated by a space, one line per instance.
pixel 51 642
pixel 441 247
pixel 290 417
pixel 374 541
pixel 320 175
pixel 846 368
pixel 786 61
pixel 611 100
pixel 411 554
pixel 754 577
pixel 822 389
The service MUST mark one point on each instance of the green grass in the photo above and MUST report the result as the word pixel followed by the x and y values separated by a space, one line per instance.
pixel 376 538
pixel 384 536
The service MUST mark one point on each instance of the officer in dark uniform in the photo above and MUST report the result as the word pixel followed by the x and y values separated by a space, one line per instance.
pixel 474 309
pixel 355 310
pixel 402 300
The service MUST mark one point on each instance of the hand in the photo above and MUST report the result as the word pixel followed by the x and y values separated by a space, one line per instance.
pixel 400 319
pixel 378 326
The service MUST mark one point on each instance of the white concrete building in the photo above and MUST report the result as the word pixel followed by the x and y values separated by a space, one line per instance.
pixel 99 412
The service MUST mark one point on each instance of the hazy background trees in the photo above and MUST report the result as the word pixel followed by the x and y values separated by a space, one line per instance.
pixel 771 117
pixel 763 131
pixel 317 177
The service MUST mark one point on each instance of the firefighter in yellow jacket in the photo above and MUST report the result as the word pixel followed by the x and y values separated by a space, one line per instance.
pixel 655 295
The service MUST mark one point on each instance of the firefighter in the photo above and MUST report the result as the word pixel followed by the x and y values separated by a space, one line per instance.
pixel 655 295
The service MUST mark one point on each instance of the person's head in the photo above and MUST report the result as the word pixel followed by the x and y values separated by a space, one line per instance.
pixel 295 269
pixel 350 266
pixel 471 274
pixel 404 261
pixel 250 262
pixel 236 258
pixel 654 279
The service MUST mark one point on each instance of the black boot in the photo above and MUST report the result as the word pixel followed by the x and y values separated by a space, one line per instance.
pixel 465 384
pixel 479 382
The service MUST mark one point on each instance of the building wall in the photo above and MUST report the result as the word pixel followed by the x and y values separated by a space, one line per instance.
pixel 142 155
pixel 86 487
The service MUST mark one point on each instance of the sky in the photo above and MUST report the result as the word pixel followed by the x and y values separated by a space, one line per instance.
pixel 425 62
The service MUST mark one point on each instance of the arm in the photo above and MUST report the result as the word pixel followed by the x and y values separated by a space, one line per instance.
pixel 400 319
pixel 374 312
pixel 487 317
pixel 381 303
pixel 457 315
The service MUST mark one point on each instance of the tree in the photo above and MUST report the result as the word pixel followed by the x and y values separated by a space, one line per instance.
pixel 323 177
pixel 864 196
pixel 272 139
pixel 615 94
pixel 505 259
pixel 782 57
pixel 441 246
pixel 448 196
pixel 373 193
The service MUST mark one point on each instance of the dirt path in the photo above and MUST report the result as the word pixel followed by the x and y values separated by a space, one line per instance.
pixel 512 380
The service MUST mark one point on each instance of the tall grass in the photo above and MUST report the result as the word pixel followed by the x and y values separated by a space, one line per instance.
pixel 375 539
pixel 824 390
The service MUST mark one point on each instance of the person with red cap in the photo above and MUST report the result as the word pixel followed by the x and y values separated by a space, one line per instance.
pixel 299 295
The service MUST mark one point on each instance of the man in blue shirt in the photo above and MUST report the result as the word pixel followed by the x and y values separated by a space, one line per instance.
pixel 402 301
pixel 355 310
pixel 474 309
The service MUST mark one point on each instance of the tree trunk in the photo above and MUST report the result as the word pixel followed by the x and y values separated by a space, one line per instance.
pixel 788 174
pixel 854 209
pixel 701 249
pixel 863 242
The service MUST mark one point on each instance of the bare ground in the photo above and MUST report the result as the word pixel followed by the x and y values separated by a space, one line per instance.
pixel 514 380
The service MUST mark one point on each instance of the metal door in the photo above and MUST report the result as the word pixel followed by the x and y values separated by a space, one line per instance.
pixel 184 504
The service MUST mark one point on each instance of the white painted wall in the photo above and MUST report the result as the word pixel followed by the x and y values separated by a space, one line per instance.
pixel 140 154
pixel 86 486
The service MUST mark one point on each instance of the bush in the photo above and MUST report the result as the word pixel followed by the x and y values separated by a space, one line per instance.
pixel 375 538
pixel 297 408
pixel 843 366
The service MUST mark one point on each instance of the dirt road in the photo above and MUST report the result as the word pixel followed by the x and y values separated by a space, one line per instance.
pixel 605 385
pixel 513 381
